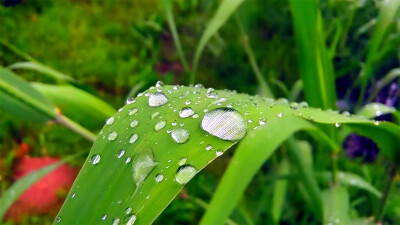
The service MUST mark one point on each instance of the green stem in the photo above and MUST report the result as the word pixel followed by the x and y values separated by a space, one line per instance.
pixel 265 90
pixel 392 169
pixel 68 123
pixel 17 51
pixel 334 168
pixel 172 27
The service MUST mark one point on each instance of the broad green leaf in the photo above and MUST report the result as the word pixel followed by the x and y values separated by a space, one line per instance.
pixel 280 188
pixel 20 99
pixel 375 109
pixel 315 65
pixel 350 179
pixel 13 192
pixel 41 68
pixel 76 103
pixel 153 146
pixel 223 13
pixel 336 205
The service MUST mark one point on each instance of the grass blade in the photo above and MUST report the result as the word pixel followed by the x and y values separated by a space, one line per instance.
pixel 280 188
pixel 41 68
pixel 315 65
pixel 336 205
pixel 375 109
pixel 224 11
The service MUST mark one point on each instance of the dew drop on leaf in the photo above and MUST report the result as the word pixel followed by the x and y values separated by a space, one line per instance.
pixel 120 153
pixel 186 112
pixel 180 135
pixel 154 115
pixel 128 210
pixel 104 217
pixel 95 159
pixel 224 123
pixel 337 124
pixel 280 115
pixel 133 111
pixel 219 152
pixel 133 138
pixel 127 160
pixel 159 84
pixel 110 121
pixel 208 147
pixel 116 221
pixel 134 123
pixel 185 174
pixel 182 161
pixel 130 100
pixel 112 136
pixel 159 178
pixel 160 125
pixel 58 219
pixel 200 86
pixel 130 220
pixel 142 165
pixel 157 99
pixel 262 121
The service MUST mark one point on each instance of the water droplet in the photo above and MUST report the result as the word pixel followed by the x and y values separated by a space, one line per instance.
pixel 280 115
pixel 188 102
pixel 195 116
pixel 159 178
pixel 186 112
pixel 154 115
pixel 128 210
pixel 180 135
pixel 185 174
pixel 173 123
pixel 120 153
pixel 208 147
pixel 160 125
pixel 224 123
pixel 127 160
pixel 133 111
pixel 211 93
pixel 199 86
pixel 110 121
pixel 376 122
pixel 130 100
pixel 95 159
pixel 337 124
pixel 157 99
pixel 104 217
pixel 294 105
pixel 133 138
pixel 73 195
pixel 250 121
pixel 262 121
pixel 131 220
pixel 134 123
pixel 182 161
pixel 159 84
pixel 112 136
pixel 346 113
pixel 58 219
pixel 303 105
pixel 219 152
pixel 142 165
pixel 116 221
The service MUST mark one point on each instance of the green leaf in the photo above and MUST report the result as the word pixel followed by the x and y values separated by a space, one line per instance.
pixel 41 68
pixel 315 65
pixel 17 97
pixel 76 103
pixel 224 11
pixel 152 147
pixel 375 109
pixel 280 188
pixel 350 179
pixel 336 205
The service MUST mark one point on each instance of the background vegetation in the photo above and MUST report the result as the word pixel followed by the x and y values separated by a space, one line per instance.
pixel 345 51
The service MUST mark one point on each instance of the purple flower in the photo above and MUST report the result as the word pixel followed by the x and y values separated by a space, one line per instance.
pixel 357 146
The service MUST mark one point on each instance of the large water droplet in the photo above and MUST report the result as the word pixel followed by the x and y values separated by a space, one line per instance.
pixel 95 159
pixel 142 165
pixel 157 99
pixel 224 123
pixel 110 121
pixel 180 135
pixel 186 112
pixel 112 136
pixel 160 125
pixel 159 178
pixel 185 174
pixel 134 123
pixel 133 138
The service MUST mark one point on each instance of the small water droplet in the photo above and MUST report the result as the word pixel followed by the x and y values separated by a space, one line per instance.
pixel 95 159
pixel 134 123
pixel 110 121
pixel 127 160
pixel 250 121
pixel 120 153
pixel 208 147
pixel 224 123
pixel 337 124
pixel 200 86
pixel 112 136
pixel 182 161
pixel 160 125
pixel 159 178
pixel 262 121
pixel 211 93
pixel 128 210
pixel 157 99
pixel 73 195
pixel 131 220
pixel 154 115
pixel 188 102
pixel 142 165
pixel 280 115
pixel 104 217
pixel 294 105
pixel 185 174
pixel 195 116
pixel 173 124
pixel 58 219
pixel 186 112
pixel 303 105
pixel 376 122
pixel 133 138
pixel 159 84
pixel 133 111
pixel 116 221
pixel 219 152
pixel 180 135
pixel 130 100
